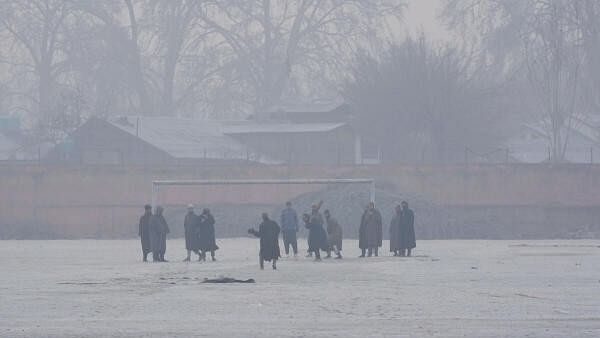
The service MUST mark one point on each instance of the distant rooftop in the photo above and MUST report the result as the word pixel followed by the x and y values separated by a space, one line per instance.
pixel 318 106
pixel 187 138
pixel 253 127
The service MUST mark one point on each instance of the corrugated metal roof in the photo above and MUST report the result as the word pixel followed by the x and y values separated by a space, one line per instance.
pixel 189 139
pixel 248 128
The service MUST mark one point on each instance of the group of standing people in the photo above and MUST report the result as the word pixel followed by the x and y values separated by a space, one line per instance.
pixel 153 230
pixel 319 238
pixel 199 234
pixel 402 231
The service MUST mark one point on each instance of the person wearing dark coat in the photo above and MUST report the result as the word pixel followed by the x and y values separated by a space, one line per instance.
pixel 289 229
pixel 334 235
pixel 407 230
pixel 268 232
pixel 191 225
pixel 395 231
pixel 206 235
pixel 317 237
pixel 158 235
pixel 370 231
pixel 144 232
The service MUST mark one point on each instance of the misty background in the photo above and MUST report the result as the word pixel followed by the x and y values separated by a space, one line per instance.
pixel 402 91
pixel 440 73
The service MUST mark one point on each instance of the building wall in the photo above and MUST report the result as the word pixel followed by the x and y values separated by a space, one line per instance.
pixel 331 148
pixel 98 142
pixel 105 202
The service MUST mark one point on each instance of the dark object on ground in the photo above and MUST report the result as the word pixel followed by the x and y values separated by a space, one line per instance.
pixel 223 280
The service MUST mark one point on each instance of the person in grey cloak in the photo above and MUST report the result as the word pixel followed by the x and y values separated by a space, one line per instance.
pixel 371 231
pixel 289 229
pixel 144 232
pixel 191 225
pixel 334 235
pixel 317 237
pixel 407 230
pixel 395 231
pixel 207 241
pixel 268 232
pixel 158 234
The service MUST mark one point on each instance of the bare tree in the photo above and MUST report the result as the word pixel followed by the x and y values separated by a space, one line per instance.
pixel 124 34
pixel 35 31
pixel 415 98
pixel 272 41
pixel 543 38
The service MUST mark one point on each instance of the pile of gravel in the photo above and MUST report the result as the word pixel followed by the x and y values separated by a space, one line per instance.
pixel 346 203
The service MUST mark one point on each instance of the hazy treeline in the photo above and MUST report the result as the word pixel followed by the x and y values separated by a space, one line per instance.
pixel 63 60
pixel 509 61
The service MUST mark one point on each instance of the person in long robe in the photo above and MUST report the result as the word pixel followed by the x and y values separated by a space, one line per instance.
pixel 158 234
pixel 371 229
pixel 191 225
pixel 334 235
pixel 289 229
pixel 144 232
pixel 395 231
pixel 317 237
pixel 362 235
pixel 407 230
pixel 268 232
pixel 206 234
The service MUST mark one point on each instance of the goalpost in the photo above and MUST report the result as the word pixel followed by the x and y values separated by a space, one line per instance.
pixel 161 183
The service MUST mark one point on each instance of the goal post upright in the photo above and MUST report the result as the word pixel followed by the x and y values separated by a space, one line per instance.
pixel 158 183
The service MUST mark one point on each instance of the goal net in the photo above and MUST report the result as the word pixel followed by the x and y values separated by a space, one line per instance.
pixel 237 204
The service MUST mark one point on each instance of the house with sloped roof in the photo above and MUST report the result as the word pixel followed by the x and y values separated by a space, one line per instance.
pixel 325 143
pixel 136 140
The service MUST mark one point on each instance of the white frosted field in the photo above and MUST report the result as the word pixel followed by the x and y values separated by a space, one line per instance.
pixel 93 288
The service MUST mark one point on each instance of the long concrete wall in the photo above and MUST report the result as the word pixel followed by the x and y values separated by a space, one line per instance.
pixel 500 201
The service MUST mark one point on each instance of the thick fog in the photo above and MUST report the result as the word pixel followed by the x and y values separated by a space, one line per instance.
pixel 444 76
pixel 299 168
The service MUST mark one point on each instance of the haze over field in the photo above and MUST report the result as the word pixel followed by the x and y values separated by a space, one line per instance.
pixel 453 144
pixel 449 289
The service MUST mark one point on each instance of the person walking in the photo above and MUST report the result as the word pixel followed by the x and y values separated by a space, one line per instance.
pixel 268 232
pixel 289 229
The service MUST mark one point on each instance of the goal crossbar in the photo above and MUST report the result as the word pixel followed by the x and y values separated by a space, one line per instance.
pixel 158 183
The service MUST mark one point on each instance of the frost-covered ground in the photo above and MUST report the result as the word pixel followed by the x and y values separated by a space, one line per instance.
pixel 451 288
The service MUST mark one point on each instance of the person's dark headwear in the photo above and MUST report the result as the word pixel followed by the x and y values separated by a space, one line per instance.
pixel 205 211
pixel 265 216
pixel 147 207
pixel 326 212
pixel 288 204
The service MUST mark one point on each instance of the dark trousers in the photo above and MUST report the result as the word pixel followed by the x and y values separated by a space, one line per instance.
pixel 289 238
